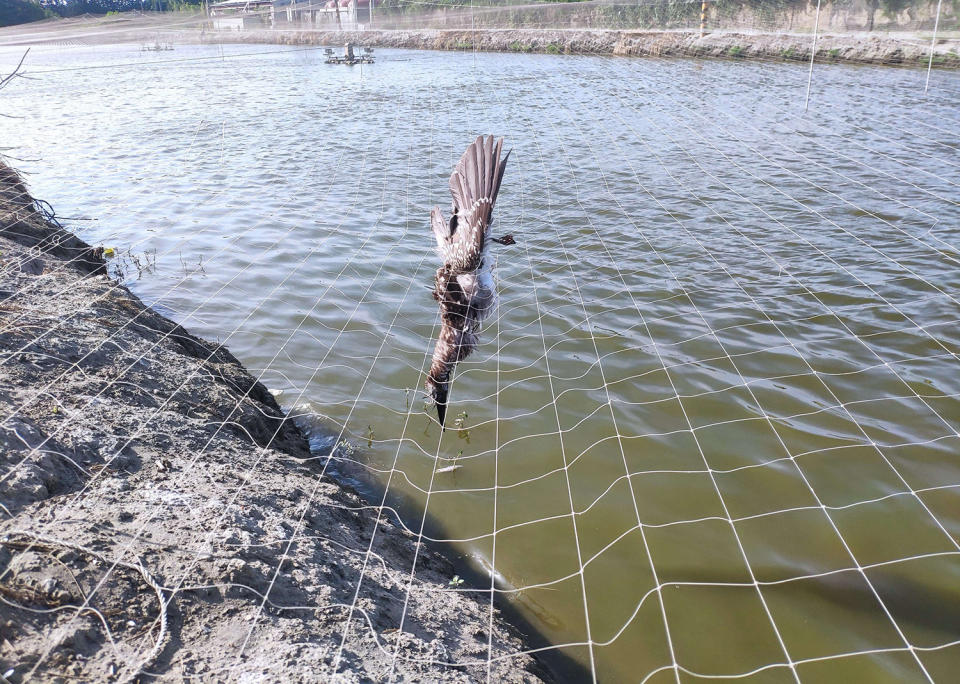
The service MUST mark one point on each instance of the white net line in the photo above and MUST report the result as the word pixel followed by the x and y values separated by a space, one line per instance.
pixel 227 419
pixel 770 422
pixel 475 366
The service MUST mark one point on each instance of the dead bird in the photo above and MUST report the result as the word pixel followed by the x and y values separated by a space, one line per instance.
pixel 464 285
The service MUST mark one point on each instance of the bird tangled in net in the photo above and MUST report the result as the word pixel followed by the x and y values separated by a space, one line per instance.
pixel 464 285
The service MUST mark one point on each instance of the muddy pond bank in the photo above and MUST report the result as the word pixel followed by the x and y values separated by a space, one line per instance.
pixel 851 48
pixel 163 517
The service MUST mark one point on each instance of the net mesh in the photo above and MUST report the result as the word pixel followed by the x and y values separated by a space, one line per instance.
pixel 718 419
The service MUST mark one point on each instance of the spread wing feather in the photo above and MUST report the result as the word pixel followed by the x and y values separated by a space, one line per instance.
pixel 441 231
pixel 474 185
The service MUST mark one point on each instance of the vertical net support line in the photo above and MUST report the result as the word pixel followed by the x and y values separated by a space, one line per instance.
pixel 933 43
pixel 170 333
pixel 196 309
pixel 790 456
pixel 920 327
pixel 816 212
pixel 169 291
pixel 343 429
pixel 123 551
pixel 563 452
pixel 833 170
pixel 418 544
pixel 393 468
pixel 609 402
pixel 136 537
pixel 329 350
pixel 496 453
pixel 828 309
pixel 653 569
pixel 65 265
pixel 496 483
pixel 380 508
pixel 813 54
pixel 729 518
pixel 319 479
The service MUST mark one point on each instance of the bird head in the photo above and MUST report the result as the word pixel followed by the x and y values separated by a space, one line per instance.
pixel 438 392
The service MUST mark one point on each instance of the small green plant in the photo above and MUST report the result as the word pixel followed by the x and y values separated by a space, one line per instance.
pixel 788 53
pixel 736 52
pixel 463 45
pixel 460 424
pixel 833 53
pixel 456 581
pixel 553 49
pixel 369 436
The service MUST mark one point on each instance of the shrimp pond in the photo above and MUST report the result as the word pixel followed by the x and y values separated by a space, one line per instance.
pixel 712 429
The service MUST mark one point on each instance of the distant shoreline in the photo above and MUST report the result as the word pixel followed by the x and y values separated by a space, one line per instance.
pixel 891 50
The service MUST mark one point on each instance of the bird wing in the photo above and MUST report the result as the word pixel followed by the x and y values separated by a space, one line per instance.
pixel 441 231
pixel 474 185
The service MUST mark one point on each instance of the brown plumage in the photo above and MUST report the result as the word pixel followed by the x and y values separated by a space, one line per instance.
pixel 464 284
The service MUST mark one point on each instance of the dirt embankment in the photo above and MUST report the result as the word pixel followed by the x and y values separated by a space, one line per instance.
pixel 854 48
pixel 152 499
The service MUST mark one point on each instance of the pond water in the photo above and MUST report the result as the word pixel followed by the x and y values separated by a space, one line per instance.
pixel 712 429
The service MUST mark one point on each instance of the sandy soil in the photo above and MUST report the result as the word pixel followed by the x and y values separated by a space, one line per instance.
pixel 145 519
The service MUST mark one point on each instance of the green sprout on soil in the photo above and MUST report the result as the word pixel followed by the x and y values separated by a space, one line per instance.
pixel 735 51
pixel 553 49
pixel 833 53
pixel 456 581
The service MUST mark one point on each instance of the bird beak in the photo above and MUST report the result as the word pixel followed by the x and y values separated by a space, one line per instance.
pixel 441 413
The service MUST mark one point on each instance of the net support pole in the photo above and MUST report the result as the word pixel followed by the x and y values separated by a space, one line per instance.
pixel 933 42
pixel 703 17
pixel 813 53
